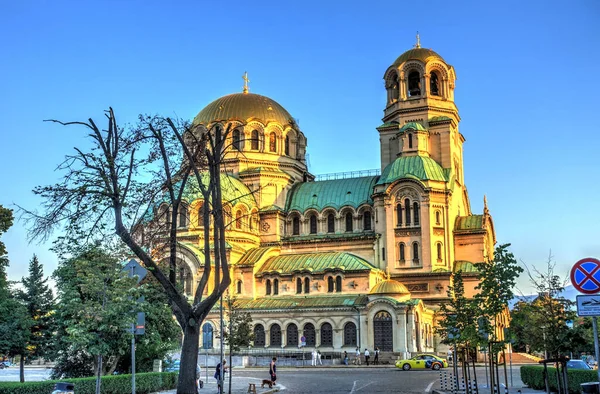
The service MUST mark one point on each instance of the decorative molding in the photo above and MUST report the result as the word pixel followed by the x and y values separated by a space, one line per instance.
pixel 265 226
pixel 438 231
pixel 407 232
pixel 418 287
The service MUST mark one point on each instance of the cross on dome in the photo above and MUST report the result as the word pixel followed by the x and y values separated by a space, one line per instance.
pixel 246 80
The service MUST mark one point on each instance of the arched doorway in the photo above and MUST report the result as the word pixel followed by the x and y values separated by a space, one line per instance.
pixel 382 331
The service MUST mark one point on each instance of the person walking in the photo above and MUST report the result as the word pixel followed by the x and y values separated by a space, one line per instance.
pixel 273 370
pixel 314 358
pixel 319 357
pixel 376 359
pixel 357 359
pixel 218 375
pixel 367 356
pixel 345 357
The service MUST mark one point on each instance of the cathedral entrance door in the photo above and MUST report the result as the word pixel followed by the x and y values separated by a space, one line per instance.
pixel 382 331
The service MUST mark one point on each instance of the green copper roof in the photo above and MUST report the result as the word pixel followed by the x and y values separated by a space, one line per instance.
pixel 464 266
pixel 439 119
pixel 301 302
pixel 314 263
pixel 331 193
pixel 413 125
pixel 253 255
pixel 389 124
pixel 232 189
pixel 415 167
pixel 469 223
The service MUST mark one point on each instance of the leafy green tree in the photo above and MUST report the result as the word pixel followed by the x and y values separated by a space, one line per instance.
pixel 94 312
pixel 38 299
pixel 14 321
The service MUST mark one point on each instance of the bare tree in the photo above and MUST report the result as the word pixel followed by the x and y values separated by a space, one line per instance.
pixel 134 182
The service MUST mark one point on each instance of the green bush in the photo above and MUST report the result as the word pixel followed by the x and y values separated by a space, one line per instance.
pixel 533 376
pixel 145 383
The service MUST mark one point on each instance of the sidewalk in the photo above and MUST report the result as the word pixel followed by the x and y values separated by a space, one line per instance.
pixel 239 385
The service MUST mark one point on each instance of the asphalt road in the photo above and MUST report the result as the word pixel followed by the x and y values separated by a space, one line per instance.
pixel 11 374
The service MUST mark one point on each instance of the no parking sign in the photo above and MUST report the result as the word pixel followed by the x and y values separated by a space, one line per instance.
pixel 585 275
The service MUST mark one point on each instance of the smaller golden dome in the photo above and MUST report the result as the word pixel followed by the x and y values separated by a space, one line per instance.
pixel 389 286
pixel 422 54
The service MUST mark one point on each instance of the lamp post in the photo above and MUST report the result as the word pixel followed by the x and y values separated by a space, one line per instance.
pixel 358 330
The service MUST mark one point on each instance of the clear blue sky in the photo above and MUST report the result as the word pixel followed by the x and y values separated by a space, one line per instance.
pixel 527 91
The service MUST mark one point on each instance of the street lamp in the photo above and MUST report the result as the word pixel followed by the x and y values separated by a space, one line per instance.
pixel 358 330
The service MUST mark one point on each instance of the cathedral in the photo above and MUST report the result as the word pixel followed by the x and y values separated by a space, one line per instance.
pixel 342 261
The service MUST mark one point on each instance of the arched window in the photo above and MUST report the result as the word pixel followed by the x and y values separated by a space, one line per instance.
pixel 275 336
pixel 402 252
pixel 416 212
pixel 183 222
pixel 254 140
pixel 367 220
pixel 414 84
pixel 399 214
pixel 239 287
pixel 268 286
pixel 287 145
pixel 275 286
pixel 330 284
pixel 438 217
pixel 338 284
pixel 238 219
pixel 201 214
pixel 349 221
pixel 410 144
pixel 434 85
pixel 439 251
pixel 309 334
pixel 306 285
pixel 207 336
pixel 236 140
pixel 163 214
pixel 298 286
pixel 331 223
pixel 259 336
pixel 296 225
pixel 349 334
pixel 415 253
pixel 407 211
pixel 326 335
pixel 272 142
pixel 313 224
pixel 292 335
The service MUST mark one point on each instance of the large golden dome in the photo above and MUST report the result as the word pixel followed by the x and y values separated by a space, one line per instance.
pixel 422 54
pixel 244 107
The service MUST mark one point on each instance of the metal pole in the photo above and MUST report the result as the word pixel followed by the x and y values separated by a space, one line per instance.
pixel 596 347
pixel 222 371
pixel 510 360
pixel 206 365
pixel 132 358
pixel 487 379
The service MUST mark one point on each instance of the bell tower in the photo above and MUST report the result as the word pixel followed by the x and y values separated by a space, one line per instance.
pixel 420 97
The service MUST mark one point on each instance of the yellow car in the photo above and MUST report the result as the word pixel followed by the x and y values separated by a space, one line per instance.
pixel 423 361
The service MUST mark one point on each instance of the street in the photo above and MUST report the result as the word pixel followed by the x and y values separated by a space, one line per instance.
pixel 31 374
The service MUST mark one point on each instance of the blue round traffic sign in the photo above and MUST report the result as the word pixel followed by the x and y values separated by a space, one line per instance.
pixel 585 275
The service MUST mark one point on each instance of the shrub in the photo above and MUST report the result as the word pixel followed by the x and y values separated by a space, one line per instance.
pixel 145 383
pixel 533 376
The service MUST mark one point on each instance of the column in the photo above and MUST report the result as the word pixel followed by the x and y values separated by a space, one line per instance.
pixel 410 328
pixel 402 335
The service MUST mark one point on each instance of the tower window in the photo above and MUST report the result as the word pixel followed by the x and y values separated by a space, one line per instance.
pixel 434 84
pixel 415 253
pixel 439 251
pixel 254 141
pixel 402 252
pixel 238 220
pixel 399 214
pixel 367 221
pixel 287 145
pixel 313 224
pixel 201 215
pixel 296 226
pixel 183 216
pixel 236 140
pixel 416 212
pixel 306 285
pixel 272 143
pixel 349 221
pixel 338 284
pixel 410 143
pixel 330 223
pixel 298 286
pixel 437 217
pixel 275 286
pixel 407 211
pixel 239 287
pixel 414 84
pixel 330 284
pixel 268 287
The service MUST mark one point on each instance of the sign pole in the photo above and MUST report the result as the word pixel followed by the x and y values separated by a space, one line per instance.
pixel 595 325
pixel 133 358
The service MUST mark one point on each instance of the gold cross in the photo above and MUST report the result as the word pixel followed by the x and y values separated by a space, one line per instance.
pixel 418 44
pixel 246 80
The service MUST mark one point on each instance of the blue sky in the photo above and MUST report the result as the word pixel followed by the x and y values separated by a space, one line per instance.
pixel 527 92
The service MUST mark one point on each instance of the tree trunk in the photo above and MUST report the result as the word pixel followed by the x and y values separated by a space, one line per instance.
pixel 189 359
pixel 99 374
pixel 22 369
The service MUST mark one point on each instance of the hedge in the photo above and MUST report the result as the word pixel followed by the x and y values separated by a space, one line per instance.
pixel 145 383
pixel 533 376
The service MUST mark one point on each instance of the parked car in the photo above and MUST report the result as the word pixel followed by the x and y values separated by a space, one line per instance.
pixel 5 364
pixel 64 388
pixel 423 361
pixel 577 364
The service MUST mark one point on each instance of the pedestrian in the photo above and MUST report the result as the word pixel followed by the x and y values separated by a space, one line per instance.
pixel 273 370
pixel 345 357
pixel 376 359
pixel 218 375
pixel 319 357
pixel 314 358
pixel 367 356
pixel 199 383
pixel 357 359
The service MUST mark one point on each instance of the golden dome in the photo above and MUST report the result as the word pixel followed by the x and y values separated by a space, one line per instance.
pixel 422 54
pixel 244 107
pixel 389 286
